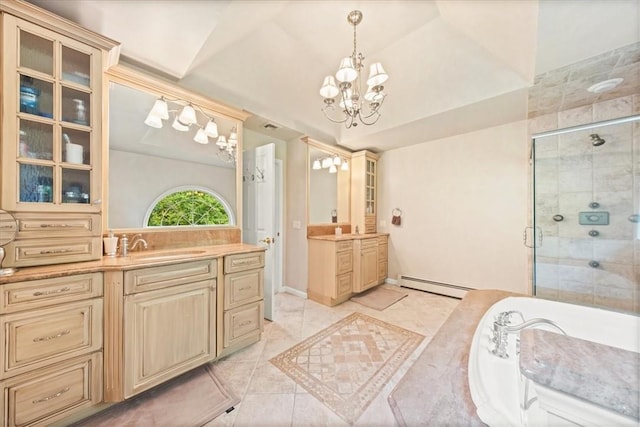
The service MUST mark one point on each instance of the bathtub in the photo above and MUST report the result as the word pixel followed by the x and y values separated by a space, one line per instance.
pixel 496 384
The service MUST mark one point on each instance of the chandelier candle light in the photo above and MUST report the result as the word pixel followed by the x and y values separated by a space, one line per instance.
pixel 354 107
pixel 187 117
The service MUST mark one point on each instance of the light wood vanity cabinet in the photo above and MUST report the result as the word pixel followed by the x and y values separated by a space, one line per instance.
pixel 243 300
pixel 366 264
pixel 330 271
pixel 383 256
pixel 51 138
pixel 364 198
pixel 338 268
pixel 169 322
pixel 51 359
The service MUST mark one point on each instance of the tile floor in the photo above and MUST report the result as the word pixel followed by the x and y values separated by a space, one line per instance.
pixel 269 398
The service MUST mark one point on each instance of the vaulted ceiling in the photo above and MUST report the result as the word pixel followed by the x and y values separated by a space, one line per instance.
pixel 454 65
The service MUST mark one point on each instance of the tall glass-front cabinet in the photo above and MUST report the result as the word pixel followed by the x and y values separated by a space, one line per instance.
pixel 364 199
pixel 52 135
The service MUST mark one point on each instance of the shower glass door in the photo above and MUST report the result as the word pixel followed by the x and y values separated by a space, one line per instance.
pixel 587 214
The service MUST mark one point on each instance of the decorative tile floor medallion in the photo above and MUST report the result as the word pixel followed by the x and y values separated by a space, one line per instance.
pixel 347 364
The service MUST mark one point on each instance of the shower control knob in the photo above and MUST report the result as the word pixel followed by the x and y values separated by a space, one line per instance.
pixel 558 218
pixel 594 205
pixel 635 218
pixel 594 233
pixel 594 264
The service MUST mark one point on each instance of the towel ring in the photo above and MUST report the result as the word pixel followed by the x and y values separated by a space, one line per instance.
pixel 396 212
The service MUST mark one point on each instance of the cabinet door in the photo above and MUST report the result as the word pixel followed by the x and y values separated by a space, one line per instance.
pixel 369 267
pixel 167 332
pixel 51 126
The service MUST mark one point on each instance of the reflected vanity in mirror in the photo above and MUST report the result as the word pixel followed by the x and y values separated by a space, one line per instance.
pixel 329 184
pixel 150 161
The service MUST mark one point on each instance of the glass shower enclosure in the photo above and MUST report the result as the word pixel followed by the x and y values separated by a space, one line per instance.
pixel 586 214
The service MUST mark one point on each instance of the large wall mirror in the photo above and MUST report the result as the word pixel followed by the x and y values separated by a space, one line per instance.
pixel 147 163
pixel 329 189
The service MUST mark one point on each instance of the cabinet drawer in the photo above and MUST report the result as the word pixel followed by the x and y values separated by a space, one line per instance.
pixel 149 278
pixel 242 288
pixel 41 337
pixel 346 245
pixel 370 224
pixel 242 262
pixel 243 322
pixel 344 262
pixel 48 395
pixel 45 292
pixel 369 243
pixel 29 252
pixel 57 225
pixel 343 285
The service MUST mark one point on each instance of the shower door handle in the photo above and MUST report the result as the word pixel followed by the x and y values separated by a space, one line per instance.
pixel 528 235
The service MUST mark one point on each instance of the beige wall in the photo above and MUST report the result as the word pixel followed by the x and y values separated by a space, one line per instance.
pixel 251 139
pixel 464 204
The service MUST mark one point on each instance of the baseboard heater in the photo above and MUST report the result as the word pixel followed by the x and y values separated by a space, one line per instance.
pixel 440 288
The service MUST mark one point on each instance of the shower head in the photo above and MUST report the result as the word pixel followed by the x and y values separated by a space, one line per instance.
pixel 596 140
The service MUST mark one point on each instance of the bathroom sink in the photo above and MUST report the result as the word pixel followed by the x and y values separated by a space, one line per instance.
pixel 163 255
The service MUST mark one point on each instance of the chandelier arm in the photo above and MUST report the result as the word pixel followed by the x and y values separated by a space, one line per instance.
pixel 366 123
pixel 374 111
pixel 324 110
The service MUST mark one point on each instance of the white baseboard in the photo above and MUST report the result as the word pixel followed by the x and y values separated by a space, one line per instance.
pixel 294 291
pixel 390 281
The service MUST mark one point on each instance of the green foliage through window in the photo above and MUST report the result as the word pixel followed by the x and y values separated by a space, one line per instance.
pixel 188 207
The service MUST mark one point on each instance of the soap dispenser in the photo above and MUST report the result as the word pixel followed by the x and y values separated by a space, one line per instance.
pixel 110 244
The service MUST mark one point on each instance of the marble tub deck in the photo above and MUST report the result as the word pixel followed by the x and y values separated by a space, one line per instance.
pixel 435 390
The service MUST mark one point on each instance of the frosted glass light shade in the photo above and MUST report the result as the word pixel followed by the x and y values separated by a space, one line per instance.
pixel 316 165
pixel 346 72
pixel 337 161
pixel 201 137
pixel 188 115
pixel 211 129
pixel 329 88
pixel 333 169
pixel 160 109
pixel 370 95
pixel 345 166
pixel 153 120
pixel 326 162
pixel 222 142
pixel 233 136
pixel 179 126
pixel 377 76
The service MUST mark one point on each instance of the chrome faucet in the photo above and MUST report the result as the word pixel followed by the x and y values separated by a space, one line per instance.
pixel 125 246
pixel 502 327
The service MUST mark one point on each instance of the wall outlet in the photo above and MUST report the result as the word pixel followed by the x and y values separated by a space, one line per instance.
pixel 296 225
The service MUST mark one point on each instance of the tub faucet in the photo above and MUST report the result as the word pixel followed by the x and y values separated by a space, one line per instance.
pixel 502 327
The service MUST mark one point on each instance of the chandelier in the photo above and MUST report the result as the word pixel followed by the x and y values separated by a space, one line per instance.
pixel 354 107
pixel 185 118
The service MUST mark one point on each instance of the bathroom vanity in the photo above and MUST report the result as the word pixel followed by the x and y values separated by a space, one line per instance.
pixel 341 265
pixel 103 331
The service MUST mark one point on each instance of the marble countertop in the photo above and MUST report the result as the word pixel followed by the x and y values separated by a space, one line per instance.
pixel 336 238
pixel 435 390
pixel 575 367
pixel 134 260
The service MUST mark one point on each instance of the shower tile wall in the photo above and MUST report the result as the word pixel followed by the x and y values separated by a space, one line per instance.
pixel 570 173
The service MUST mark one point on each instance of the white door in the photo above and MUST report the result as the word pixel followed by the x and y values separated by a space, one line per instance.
pixel 258 201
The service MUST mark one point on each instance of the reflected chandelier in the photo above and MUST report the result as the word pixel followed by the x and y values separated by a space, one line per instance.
pixel 354 106
pixel 227 147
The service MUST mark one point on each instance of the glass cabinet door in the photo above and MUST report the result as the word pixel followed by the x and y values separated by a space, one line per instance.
pixel 370 188
pixel 56 144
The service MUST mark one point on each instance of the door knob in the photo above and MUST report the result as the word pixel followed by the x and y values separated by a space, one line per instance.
pixel 267 240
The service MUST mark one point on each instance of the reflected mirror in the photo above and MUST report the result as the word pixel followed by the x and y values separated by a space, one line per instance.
pixel 328 189
pixel 148 163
